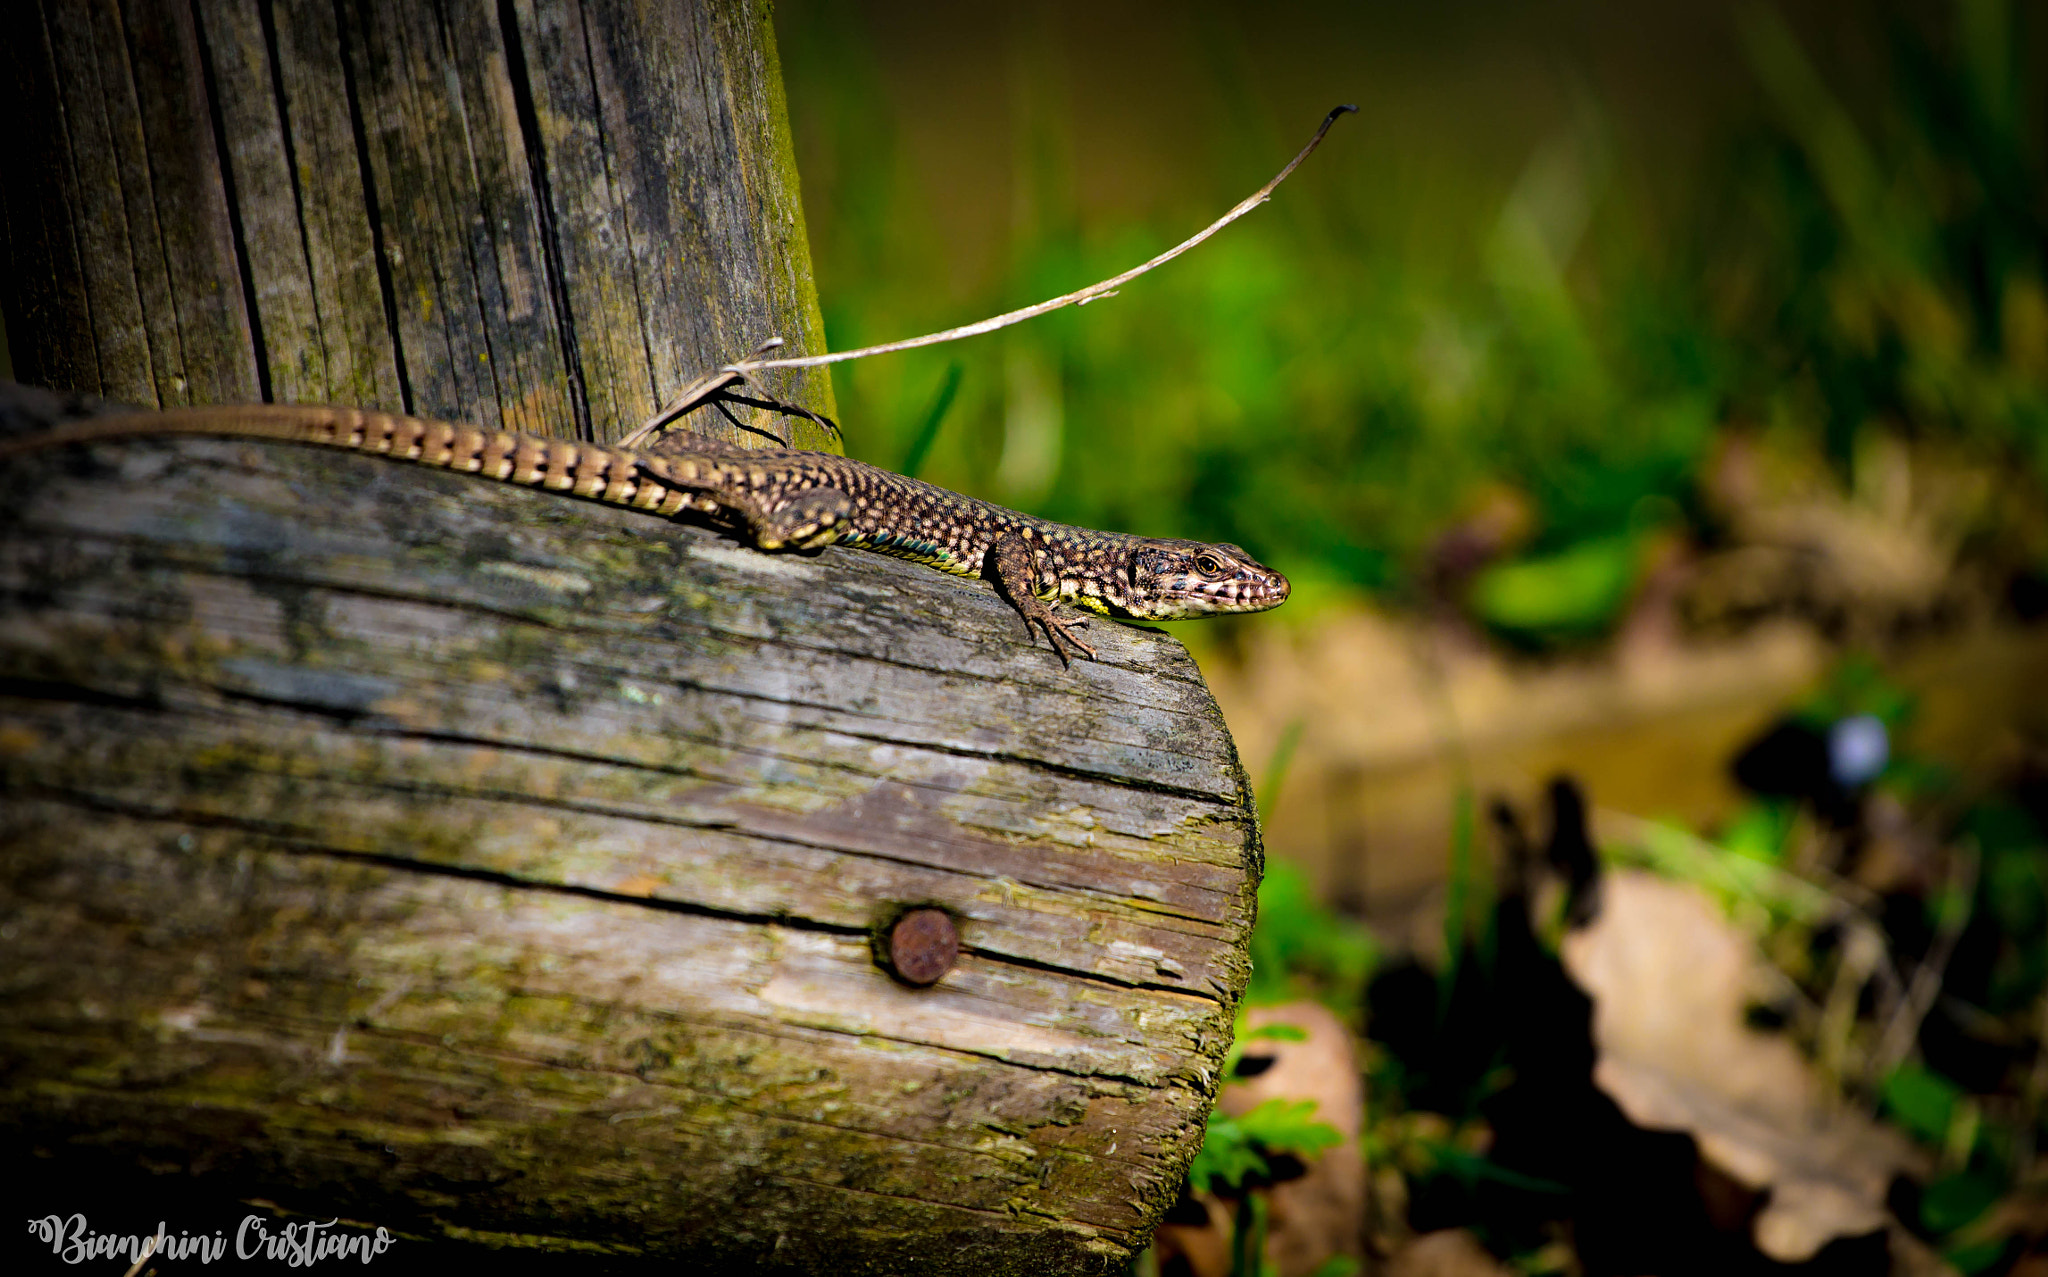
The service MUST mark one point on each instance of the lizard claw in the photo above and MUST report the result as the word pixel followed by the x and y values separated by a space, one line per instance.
pixel 1057 633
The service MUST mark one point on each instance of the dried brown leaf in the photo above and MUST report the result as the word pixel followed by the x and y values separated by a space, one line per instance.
pixel 1670 979
pixel 1450 1253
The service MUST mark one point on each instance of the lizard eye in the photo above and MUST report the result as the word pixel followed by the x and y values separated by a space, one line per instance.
pixel 1208 565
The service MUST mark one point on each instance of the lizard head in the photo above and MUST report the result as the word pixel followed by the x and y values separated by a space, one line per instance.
pixel 1177 580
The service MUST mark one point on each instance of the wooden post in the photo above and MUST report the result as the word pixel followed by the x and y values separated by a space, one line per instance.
pixel 500 868
pixel 543 216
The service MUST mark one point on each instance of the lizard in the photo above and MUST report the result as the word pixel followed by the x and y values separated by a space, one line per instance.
pixel 781 499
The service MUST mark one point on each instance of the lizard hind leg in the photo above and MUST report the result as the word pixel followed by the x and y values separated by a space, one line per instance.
pixel 809 520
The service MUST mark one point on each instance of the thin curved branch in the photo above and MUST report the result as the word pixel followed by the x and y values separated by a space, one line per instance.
pixel 705 388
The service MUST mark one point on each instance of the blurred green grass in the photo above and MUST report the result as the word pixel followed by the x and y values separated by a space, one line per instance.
pixel 1340 379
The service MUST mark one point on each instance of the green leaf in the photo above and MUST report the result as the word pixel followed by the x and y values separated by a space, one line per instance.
pixel 1289 1126
pixel 928 433
pixel 1922 1101
pixel 1978 1257
pixel 1237 1148
pixel 1759 831
pixel 1226 1157
pixel 1575 592
pixel 1274 1033
pixel 1954 1201
pixel 1470 1168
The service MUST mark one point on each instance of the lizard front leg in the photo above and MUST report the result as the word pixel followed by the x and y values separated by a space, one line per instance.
pixel 1010 566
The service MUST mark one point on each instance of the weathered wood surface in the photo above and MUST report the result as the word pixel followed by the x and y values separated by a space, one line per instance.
pixel 488 864
pixel 543 216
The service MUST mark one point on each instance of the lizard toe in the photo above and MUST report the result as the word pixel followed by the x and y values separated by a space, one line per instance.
pixel 807 521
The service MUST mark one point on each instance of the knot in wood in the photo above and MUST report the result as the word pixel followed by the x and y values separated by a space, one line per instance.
pixel 923 945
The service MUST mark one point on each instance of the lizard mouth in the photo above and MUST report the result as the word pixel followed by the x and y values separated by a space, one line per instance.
pixel 1262 591
pixel 1244 592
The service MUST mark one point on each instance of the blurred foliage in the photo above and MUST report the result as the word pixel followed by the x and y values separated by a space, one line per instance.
pixel 1961 924
pixel 1338 380
pixel 1246 1152
pixel 1239 1154
pixel 1238 1151
pixel 1302 948
pixel 1569 594
pixel 1906 917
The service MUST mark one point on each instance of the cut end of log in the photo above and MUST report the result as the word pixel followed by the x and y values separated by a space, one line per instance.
pixel 485 864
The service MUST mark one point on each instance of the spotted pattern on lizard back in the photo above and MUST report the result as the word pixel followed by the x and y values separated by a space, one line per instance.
pixel 781 499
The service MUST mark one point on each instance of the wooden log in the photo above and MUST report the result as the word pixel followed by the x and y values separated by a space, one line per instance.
pixel 549 217
pixel 503 868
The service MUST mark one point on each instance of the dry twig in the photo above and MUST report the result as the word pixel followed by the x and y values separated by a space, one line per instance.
pixel 715 387
pixel 148 1250
pixel 1925 987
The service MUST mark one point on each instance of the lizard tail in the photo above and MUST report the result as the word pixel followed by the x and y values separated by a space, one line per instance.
pixel 585 470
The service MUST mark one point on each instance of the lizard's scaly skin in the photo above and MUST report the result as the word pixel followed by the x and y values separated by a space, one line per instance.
pixel 782 499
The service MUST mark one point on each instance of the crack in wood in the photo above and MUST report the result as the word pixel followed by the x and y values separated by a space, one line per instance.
pixel 373 208
pixel 245 274
pixel 549 234
pixel 296 842
pixel 280 102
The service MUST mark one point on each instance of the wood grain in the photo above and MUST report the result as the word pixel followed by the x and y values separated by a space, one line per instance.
pixel 493 865
pixel 547 217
